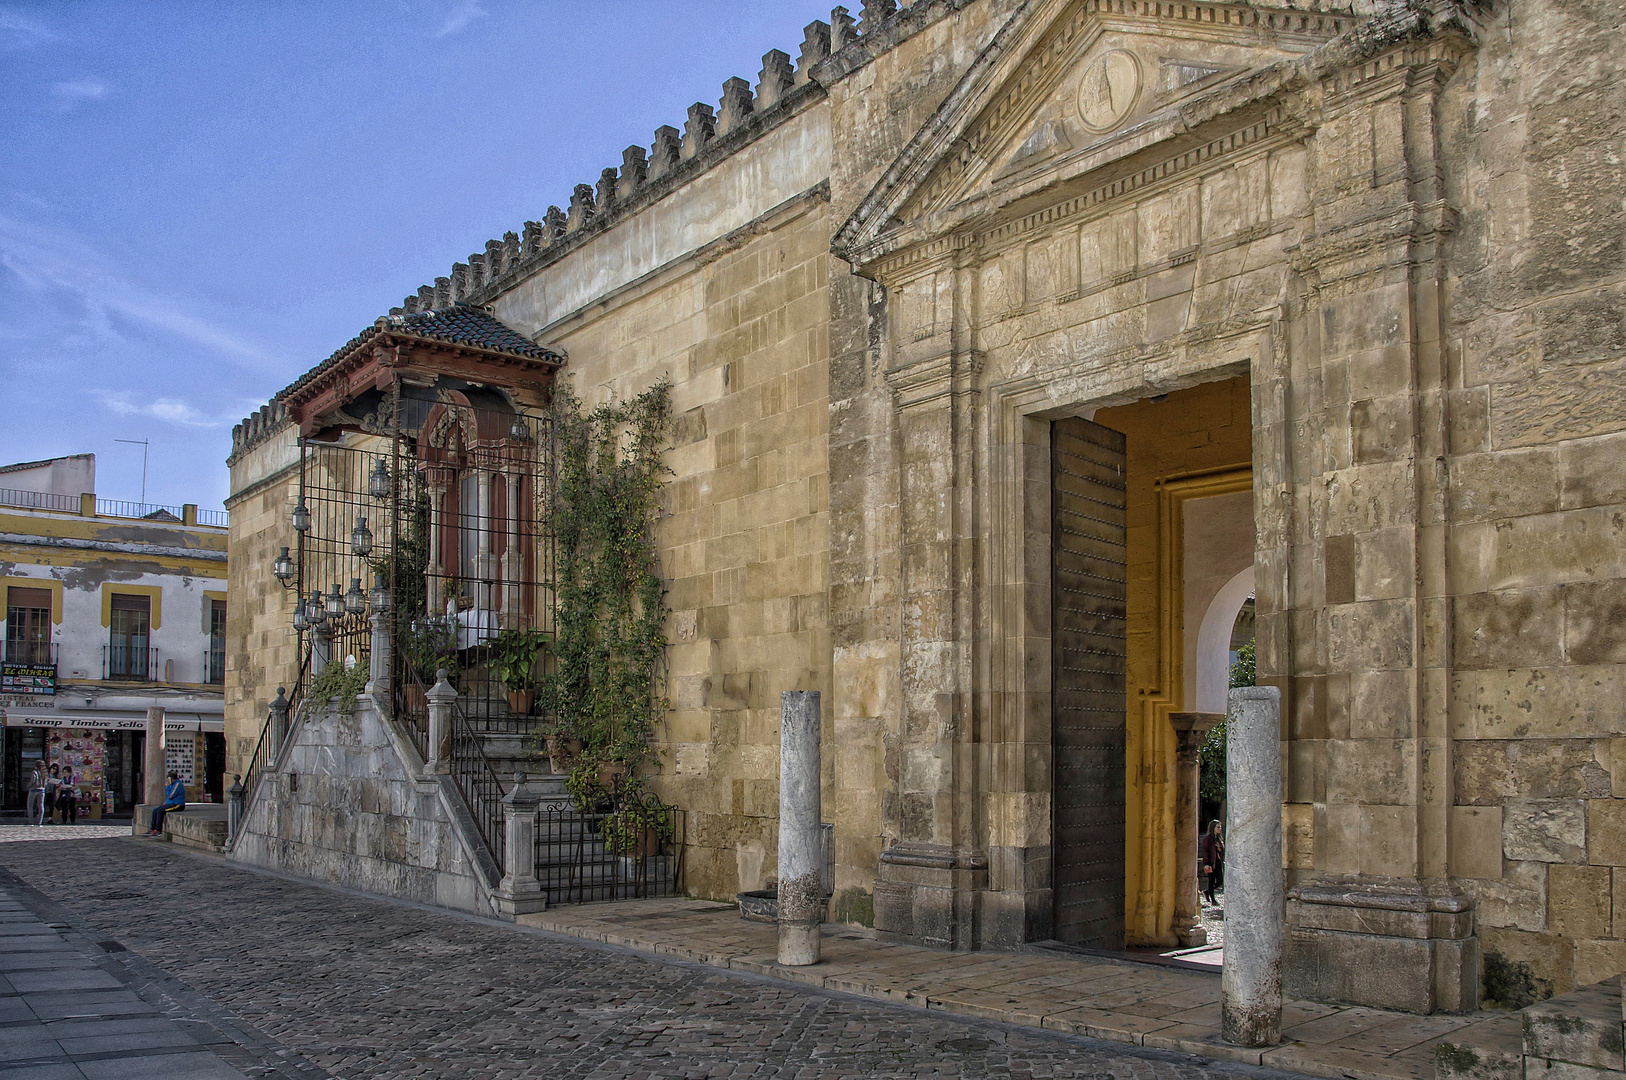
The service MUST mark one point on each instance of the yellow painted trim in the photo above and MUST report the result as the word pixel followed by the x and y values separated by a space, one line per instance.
pixel 154 591
pixel 202 537
pixel 38 583
pixel 28 555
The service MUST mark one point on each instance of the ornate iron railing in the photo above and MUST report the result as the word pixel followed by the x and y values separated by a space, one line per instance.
pixel 621 848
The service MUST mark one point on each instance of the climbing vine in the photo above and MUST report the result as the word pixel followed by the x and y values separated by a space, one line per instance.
pixel 610 609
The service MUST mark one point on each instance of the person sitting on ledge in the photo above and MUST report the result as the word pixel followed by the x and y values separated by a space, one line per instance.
pixel 174 799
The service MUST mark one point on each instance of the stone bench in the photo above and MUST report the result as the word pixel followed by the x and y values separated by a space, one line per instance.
pixel 200 825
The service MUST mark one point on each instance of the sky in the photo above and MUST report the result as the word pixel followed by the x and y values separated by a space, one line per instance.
pixel 199 201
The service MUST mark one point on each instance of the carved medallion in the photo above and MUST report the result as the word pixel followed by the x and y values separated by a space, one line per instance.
pixel 1108 90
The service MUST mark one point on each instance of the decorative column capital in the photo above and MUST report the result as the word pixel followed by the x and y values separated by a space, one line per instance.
pixel 1190 729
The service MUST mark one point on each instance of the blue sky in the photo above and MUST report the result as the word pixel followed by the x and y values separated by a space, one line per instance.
pixel 198 201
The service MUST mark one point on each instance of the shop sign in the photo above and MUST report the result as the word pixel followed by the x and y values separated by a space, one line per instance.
pixel 32 680
pixel 99 723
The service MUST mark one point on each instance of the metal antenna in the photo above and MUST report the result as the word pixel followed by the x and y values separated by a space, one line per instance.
pixel 143 444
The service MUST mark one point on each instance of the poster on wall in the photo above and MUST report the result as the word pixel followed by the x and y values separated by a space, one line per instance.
pixel 180 757
pixel 85 752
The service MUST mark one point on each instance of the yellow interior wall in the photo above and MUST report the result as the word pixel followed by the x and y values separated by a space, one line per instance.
pixel 1180 447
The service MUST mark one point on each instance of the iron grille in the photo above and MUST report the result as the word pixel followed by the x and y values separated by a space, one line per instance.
pixel 628 847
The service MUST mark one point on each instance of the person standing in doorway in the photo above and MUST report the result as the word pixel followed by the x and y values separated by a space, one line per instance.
pixel 67 797
pixel 36 794
pixel 1213 857
pixel 174 799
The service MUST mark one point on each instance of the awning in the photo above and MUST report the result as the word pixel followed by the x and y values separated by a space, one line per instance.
pixel 19 718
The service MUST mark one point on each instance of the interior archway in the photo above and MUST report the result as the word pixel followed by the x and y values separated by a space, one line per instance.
pixel 1213 657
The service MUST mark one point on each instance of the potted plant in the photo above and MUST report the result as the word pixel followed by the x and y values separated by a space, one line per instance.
pixel 428 643
pixel 513 658
pixel 639 827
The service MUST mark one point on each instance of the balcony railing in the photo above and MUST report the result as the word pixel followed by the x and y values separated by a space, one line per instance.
pixel 214 663
pixel 128 662
pixel 38 500
pixel 42 653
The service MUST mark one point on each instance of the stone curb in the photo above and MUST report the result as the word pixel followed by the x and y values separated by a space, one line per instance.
pixel 1331 1063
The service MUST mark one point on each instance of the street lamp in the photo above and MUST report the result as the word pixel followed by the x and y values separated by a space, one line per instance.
pixel 301 517
pixel 361 538
pixel 355 601
pixel 315 611
pixel 519 431
pixel 301 624
pixel 334 602
pixel 381 595
pixel 283 568
pixel 378 483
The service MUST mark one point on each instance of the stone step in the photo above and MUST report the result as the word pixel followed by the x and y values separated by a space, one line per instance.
pixel 1582 1028
pixel 202 827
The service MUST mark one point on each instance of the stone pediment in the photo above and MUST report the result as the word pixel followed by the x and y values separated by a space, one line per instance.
pixel 1069 87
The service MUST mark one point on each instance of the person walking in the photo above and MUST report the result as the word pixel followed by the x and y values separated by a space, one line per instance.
pixel 1213 857
pixel 67 797
pixel 53 784
pixel 174 799
pixel 36 794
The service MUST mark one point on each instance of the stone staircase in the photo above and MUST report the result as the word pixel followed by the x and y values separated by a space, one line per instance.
pixel 1574 1036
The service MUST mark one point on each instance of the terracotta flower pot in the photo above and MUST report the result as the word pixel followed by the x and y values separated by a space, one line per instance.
pixel 519 702
pixel 610 775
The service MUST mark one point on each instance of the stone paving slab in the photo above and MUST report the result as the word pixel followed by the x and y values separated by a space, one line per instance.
pixel 366 987
pixel 1101 997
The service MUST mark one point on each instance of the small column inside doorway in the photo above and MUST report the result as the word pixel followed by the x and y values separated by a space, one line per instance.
pixel 1190 729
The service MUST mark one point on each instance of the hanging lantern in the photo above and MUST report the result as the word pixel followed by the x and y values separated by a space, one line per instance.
pixel 301 517
pixel 378 483
pixel 283 568
pixel 519 431
pixel 381 595
pixel 361 538
pixel 315 611
pixel 334 602
pixel 355 601
pixel 301 624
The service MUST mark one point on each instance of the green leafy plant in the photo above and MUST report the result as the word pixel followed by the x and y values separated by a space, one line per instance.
pixel 513 656
pixel 335 681
pixel 624 831
pixel 610 615
pixel 429 643
pixel 584 789
pixel 1211 755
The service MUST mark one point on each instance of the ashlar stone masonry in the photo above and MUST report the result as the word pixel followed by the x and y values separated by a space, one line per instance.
pixel 996 329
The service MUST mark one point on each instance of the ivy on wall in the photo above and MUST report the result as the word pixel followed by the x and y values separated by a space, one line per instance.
pixel 610 607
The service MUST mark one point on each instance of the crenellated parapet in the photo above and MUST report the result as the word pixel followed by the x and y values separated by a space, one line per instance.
pixel 256 427
pixel 709 134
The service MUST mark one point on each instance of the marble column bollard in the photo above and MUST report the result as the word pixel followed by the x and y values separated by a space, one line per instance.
pixel 152 786
pixel 1251 985
pixel 801 892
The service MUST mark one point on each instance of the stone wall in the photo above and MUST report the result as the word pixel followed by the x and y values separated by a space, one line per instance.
pixel 345 804
pixel 1531 137
pixel 739 329
pixel 262 650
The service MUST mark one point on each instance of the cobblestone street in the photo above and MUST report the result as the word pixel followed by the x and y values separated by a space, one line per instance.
pixel 364 987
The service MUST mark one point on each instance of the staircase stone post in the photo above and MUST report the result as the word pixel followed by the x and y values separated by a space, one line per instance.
pixel 234 806
pixel 441 697
pixel 279 724
pixel 520 892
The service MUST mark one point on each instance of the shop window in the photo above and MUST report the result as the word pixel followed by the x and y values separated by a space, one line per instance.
pixel 28 626
pixel 129 650
pixel 217 641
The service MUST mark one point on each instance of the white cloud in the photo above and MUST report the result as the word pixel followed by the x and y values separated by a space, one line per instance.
pixel 70 94
pixel 45 259
pixel 19 29
pixel 460 16
pixel 166 409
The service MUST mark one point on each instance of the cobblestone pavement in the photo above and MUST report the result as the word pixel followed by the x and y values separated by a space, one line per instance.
pixel 11 833
pixel 366 987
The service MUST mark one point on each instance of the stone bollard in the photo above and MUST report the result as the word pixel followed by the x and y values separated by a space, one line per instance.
pixel 441 696
pixel 1251 986
pixel 520 892
pixel 801 892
